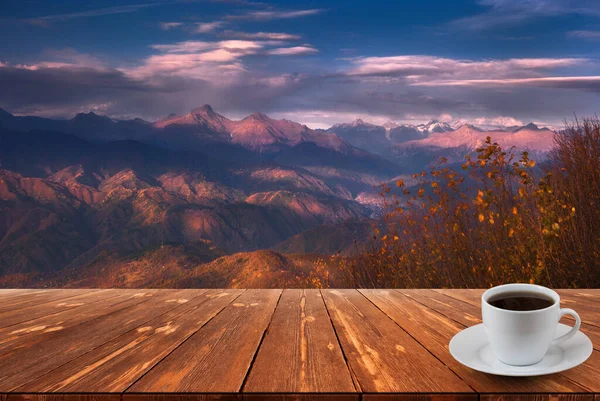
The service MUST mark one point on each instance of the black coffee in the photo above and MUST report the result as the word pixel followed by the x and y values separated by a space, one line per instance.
pixel 520 301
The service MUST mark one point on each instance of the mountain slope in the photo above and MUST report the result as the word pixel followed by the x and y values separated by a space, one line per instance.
pixel 200 266
pixel 68 202
pixel 347 238
pixel 529 137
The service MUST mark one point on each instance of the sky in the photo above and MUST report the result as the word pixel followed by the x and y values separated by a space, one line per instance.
pixel 492 62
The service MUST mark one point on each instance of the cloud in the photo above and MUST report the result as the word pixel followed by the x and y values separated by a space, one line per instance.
pixel 63 58
pixel 47 19
pixel 207 27
pixel 195 46
pixel 592 35
pixel 67 87
pixel 496 122
pixel 241 2
pixel 165 26
pixel 260 35
pixel 513 12
pixel 581 82
pixel 273 15
pixel 239 76
pixel 293 51
pixel 429 70
pixel 186 47
pixel 217 64
pixel 198 59
pixel 204 59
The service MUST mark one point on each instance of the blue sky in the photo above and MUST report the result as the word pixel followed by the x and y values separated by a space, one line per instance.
pixel 495 62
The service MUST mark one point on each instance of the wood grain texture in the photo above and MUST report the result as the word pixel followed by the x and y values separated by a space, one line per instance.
pixel 452 307
pixel 420 397
pixel 536 397
pixel 114 366
pixel 23 364
pixel 9 293
pixel 382 356
pixel 12 317
pixel 36 297
pixel 300 397
pixel 217 358
pixel 434 331
pixel 181 397
pixel 587 307
pixel 470 296
pixel 593 294
pixel 209 345
pixel 300 353
pixel 585 375
pixel 30 333
pixel 587 297
pixel 64 397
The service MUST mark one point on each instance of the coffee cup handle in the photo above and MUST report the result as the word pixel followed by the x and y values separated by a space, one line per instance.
pixel 571 333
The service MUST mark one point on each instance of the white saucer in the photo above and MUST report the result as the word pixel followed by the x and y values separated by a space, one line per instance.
pixel 472 348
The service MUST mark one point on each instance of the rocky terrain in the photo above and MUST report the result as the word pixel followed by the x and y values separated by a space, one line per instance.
pixel 199 199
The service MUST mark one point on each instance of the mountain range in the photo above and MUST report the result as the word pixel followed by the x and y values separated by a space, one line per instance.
pixel 94 201
pixel 396 141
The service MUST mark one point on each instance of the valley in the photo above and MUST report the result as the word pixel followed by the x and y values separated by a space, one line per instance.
pixel 199 200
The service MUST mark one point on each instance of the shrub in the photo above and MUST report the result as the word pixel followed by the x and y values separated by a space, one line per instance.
pixel 498 219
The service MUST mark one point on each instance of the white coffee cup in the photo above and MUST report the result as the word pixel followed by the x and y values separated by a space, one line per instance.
pixel 523 337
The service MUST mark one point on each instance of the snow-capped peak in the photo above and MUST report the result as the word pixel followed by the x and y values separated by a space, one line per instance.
pixel 390 124
pixel 434 126
pixel 357 122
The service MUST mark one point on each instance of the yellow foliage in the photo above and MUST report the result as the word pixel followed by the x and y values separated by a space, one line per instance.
pixel 533 233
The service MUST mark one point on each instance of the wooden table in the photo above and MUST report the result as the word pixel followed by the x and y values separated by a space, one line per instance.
pixel 161 345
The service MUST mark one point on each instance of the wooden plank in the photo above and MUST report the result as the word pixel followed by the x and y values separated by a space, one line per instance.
pixel 217 358
pixel 27 362
pixel 64 397
pixel 301 397
pixel 7 293
pixel 536 397
pixel 181 397
pixel 37 298
pixel 585 375
pixel 452 307
pixel 29 333
pixel 382 356
pixel 472 297
pixel 114 366
pixel 588 308
pixel 12 317
pixel 434 331
pixel 300 353
pixel 14 298
pixel 592 294
pixel 420 397
pixel 10 293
